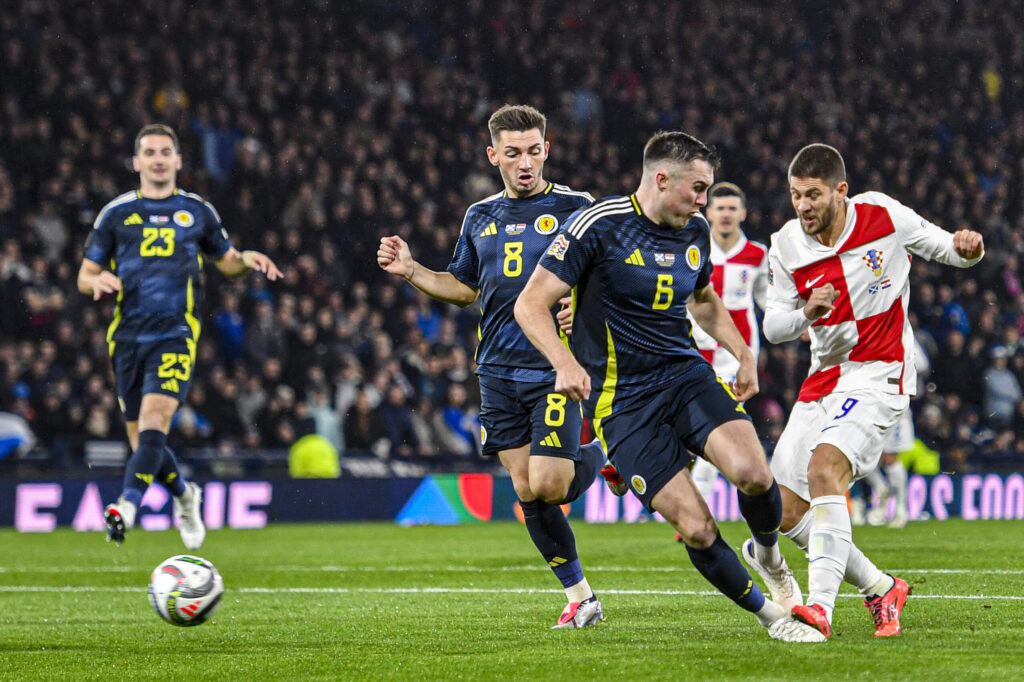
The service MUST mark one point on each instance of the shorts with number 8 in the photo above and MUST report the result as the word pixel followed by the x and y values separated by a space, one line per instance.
pixel 514 413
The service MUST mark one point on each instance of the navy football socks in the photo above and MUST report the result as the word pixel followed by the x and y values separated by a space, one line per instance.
pixel 763 514
pixel 553 536
pixel 722 568
pixel 170 475
pixel 144 465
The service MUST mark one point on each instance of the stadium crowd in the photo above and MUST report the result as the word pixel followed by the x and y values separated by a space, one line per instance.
pixel 315 128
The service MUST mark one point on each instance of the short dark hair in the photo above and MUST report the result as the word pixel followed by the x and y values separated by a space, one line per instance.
pixel 819 161
pixel 727 189
pixel 516 117
pixel 157 129
pixel 677 146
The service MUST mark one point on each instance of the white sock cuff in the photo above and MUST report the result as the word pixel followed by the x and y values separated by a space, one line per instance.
pixel 800 532
pixel 829 499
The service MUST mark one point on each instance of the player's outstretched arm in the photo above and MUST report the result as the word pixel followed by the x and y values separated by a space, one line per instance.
pixel 235 264
pixel 394 256
pixel 713 317
pixel 94 281
pixel 533 313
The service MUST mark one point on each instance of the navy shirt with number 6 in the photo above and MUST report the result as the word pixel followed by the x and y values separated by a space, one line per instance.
pixel 156 247
pixel 632 279
pixel 501 241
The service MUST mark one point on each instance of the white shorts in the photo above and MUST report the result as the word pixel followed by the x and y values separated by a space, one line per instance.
pixel 856 422
pixel 901 437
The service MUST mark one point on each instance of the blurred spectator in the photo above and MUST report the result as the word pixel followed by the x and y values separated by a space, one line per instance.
pixel 398 425
pixel 364 428
pixel 1002 390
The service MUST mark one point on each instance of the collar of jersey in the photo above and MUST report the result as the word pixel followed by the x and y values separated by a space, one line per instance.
pixel 532 197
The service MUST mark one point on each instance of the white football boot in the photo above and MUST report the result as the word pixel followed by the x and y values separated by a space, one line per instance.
pixel 789 630
pixel 580 614
pixel 784 588
pixel 187 511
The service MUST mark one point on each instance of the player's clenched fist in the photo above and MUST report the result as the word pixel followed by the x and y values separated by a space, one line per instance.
pixel 821 302
pixel 394 256
pixel 968 243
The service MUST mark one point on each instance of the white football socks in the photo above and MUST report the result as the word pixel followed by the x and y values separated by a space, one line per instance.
pixel 879 486
pixel 579 591
pixel 770 613
pixel 860 571
pixel 828 550
pixel 128 511
pixel 897 475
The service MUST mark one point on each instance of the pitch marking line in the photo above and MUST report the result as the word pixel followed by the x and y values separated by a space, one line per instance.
pixel 453 590
pixel 495 569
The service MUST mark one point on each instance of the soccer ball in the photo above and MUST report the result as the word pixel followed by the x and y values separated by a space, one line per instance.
pixel 185 590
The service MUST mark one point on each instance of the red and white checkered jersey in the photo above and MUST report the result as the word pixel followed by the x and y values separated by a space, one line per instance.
pixel 866 342
pixel 740 278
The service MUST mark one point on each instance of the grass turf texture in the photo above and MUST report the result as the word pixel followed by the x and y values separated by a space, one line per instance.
pixel 377 601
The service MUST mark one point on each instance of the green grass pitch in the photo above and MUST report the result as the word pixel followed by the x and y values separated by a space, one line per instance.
pixel 475 602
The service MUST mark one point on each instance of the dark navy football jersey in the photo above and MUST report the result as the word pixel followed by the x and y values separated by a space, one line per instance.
pixel 156 247
pixel 632 279
pixel 501 241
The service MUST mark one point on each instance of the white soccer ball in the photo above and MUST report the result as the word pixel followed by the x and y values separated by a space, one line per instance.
pixel 185 589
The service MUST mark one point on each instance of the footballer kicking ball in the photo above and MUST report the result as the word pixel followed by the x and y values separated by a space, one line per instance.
pixel 185 590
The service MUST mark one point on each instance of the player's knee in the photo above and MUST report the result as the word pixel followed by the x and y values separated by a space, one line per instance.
pixel 821 480
pixel 754 478
pixel 550 489
pixel 699 533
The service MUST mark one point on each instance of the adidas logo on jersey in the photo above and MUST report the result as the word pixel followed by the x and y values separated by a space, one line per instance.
pixel 635 258
pixel 133 219
pixel 552 441
pixel 491 229
pixel 170 385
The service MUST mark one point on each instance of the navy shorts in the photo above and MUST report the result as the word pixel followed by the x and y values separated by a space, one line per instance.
pixel 514 413
pixel 650 435
pixel 163 367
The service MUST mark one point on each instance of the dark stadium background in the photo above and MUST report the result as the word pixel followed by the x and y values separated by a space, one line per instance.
pixel 317 127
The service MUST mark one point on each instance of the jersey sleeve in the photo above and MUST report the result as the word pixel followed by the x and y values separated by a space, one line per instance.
pixel 704 278
pixel 921 237
pixel 699 222
pixel 784 317
pixel 760 284
pixel 99 247
pixel 465 264
pixel 571 251
pixel 215 241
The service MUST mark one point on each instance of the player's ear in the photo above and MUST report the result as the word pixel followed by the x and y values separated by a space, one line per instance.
pixel 547 148
pixel 842 189
pixel 177 163
pixel 492 156
pixel 135 164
